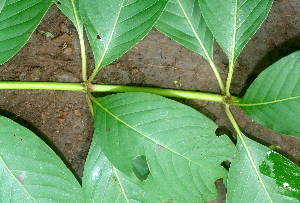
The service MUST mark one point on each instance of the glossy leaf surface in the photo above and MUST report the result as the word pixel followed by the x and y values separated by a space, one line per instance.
pixel 279 176
pixel 234 22
pixel 273 99
pixel 180 145
pixel 183 22
pixel 114 26
pixel 102 182
pixel 30 171
pixel 18 19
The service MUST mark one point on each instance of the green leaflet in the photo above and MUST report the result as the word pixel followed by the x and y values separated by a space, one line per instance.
pixel 280 176
pixel 30 171
pixel 183 22
pixel 18 19
pixel 102 182
pixel 273 99
pixel 234 22
pixel 179 143
pixel 114 26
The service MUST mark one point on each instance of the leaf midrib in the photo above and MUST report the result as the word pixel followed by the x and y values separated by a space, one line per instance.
pixel 14 177
pixel 110 38
pixel 270 102
pixel 118 119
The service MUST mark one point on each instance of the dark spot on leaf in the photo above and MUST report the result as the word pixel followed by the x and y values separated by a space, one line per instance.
pixel 171 200
pixel 58 2
pixel 15 136
pixel 21 139
pixel 159 147
pixel 140 168
pixel 107 129
pixel 98 36
pixel 115 180
pixel 20 179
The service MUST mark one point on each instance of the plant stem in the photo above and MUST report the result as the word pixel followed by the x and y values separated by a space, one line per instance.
pixel 158 91
pixel 229 78
pixel 92 76
pixel 217 74
pixel 232 58
pixel 83 57
pixel 81 40
pixel 239 133
pixel 42 85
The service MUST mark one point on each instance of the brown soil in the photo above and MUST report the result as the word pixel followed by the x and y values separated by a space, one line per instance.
pixel 62 118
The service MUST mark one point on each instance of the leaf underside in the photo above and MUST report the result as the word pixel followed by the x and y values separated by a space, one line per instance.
pixel 103 183
pixel 279 175
pixel 179 143
pixel 183 22
pixel 113 27
pixel 30 171
pixel 273 99
pixel 18 19
pixel 234 22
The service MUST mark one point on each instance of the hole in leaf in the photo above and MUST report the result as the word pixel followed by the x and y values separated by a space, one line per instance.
pixel 140 168
pixel 58 2
pixel 98 36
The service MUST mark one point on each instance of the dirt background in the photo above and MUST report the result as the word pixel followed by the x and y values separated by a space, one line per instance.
pixel 62 119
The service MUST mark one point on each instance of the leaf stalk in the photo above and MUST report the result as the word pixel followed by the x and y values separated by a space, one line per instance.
pixel 240 136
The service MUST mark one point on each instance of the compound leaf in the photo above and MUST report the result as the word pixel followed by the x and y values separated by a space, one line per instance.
pixel 280 178
pixel 183 22
pixel 102 182
pixel 179 144
pixel 30 171
pixel 273 99
pixel 114 26
pixel 234 22
pixel 18 19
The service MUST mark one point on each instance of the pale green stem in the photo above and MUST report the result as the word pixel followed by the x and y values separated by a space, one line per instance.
pixel 232 59
pixel 237 129
pixel 90 103
pixel 92 76
pixel 81 40
pixel 158 91
pixel 42 85
pixel 217 74
pixel 229 78
pixel 83 57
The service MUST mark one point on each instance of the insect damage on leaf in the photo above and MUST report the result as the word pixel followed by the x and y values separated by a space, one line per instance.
pixel 140 168
pixel 58 2
pixel 98 36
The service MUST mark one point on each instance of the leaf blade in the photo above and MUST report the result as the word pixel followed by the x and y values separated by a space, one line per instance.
pixel 18 19
pixel 184 23
pixel 273 99
pixel 102 182
pixel 279 176
pixel 31 170
pixel 135 124
pixel 234 22
pixel 114 27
